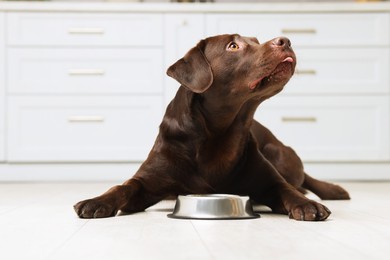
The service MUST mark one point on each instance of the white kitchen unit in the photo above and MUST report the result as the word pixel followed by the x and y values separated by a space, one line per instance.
pixel 83 86
pixel 82 128
pixel 307 29
pixel 79 71
pixel 331 128
pixel 84 29
pixel 341 71
pixel 2 90
pixel 80 86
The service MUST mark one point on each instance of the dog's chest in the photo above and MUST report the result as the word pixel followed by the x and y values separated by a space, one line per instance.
pixel 217 158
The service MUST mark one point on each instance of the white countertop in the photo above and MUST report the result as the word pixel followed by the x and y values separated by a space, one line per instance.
pixel 195 7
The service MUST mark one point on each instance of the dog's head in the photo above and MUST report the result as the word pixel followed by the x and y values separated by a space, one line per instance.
pixel 236 66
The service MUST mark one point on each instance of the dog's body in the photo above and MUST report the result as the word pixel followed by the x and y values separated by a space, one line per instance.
pixel 210 143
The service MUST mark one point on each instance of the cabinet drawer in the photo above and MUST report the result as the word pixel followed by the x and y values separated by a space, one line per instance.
pixel 50 29
pixel 340 71
pixel 85 71
pixel 81 129
pixel 327 129
pixel 307 29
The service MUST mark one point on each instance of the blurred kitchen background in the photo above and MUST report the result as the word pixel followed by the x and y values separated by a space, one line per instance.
pixel 83 87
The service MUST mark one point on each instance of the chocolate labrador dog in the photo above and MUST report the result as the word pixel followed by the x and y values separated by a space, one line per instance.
pixel 210 143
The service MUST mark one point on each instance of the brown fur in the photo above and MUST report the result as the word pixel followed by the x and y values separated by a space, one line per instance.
pixel 210 143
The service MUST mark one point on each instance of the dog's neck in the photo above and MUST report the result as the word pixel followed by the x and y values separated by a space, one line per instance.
pixel 216 117
pixel 227 128
pixel 221 115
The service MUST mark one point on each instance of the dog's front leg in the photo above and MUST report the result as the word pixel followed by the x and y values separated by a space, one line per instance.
pixel 285 199
pixel 267 186
pixel 130 197
pixel 142 191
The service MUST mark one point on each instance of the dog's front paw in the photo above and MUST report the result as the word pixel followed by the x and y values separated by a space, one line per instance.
pixel 309 211
pixel 94 208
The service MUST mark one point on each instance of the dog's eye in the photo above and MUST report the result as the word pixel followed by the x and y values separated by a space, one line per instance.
pixel 233 46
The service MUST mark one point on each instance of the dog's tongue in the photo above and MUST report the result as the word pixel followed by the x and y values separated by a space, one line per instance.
pixel 288 59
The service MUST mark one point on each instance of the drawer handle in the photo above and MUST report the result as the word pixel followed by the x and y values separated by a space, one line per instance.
pixel 306 72
pixel 299 31
pixel 85 30
pixel 85 119
pixel 86 72
pixel 299 119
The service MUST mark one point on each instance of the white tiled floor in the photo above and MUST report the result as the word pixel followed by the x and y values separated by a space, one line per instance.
pixel 37 222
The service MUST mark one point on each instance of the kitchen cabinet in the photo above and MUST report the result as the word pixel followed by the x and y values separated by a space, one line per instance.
pixel 85 86
pixel 82 128
pixel 307 29
pixel 331 128
pixel 84 29
pixel 79 71
pixel 341 71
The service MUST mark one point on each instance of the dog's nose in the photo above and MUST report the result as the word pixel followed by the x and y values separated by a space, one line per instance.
pixel 282 42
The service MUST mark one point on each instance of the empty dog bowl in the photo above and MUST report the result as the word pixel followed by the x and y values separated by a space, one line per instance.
pixel 213 206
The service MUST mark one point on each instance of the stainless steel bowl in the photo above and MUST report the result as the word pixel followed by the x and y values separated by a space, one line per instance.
pixel 213 206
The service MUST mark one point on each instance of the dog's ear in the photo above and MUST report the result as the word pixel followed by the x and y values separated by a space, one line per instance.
pixel 193 70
